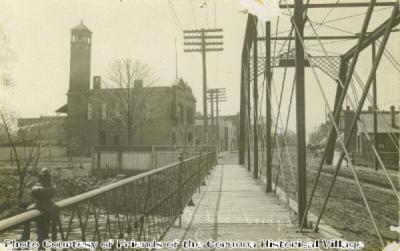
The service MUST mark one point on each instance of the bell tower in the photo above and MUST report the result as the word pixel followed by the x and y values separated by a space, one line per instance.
pixel 79 75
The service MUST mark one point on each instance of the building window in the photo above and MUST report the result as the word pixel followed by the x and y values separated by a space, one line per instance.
pixel 116 110
pixel 103 111
pixel 172 109
pixel 89 111
pixel 189 115
pixel 190 138
pixel 102 138
pixel 180 113
pixel 116 140
pixel 173 138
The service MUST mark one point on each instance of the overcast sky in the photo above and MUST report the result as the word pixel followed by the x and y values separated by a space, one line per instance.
pixel 39 35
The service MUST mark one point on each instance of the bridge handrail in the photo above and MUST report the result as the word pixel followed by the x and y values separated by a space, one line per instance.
pixel 34 214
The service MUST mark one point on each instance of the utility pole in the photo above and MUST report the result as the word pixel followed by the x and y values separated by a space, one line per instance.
pixel 220 96
pixel 268 119
pixel 212 138
pixel 300 113
pixel 200 41
pixel 176 61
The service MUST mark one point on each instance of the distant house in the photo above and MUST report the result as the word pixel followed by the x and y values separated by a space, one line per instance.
pixel 227 128
pixel 388 137
pixel 48 129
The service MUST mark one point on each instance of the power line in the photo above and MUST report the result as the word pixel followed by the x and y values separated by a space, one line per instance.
pixel 175 15
pixel 194 14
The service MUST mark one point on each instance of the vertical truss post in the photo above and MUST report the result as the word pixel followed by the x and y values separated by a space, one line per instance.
pixel 268 122
pixel 243 99
pixel 300 112
pixel 248 112
pixel 375 99
pixel 242 115
pixel 255 100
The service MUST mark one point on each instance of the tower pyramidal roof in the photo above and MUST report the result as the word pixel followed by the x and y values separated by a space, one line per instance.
pixel 81 27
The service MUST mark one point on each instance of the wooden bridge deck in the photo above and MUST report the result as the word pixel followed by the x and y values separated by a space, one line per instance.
pixel 233 206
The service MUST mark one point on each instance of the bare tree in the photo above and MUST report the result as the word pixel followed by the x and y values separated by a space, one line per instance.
pixel 123 75
pixel 26 149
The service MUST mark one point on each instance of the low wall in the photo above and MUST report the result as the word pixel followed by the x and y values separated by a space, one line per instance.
pixel 140 161
pixel 138 158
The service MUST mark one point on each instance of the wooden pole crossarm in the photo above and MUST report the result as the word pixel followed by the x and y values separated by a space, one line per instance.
pixel 199 50
pixel 206 37
pixel 199 31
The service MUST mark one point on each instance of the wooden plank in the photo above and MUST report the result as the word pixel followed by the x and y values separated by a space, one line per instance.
pixel 233 206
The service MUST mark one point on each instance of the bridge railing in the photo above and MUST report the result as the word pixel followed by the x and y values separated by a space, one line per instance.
pixel 141 207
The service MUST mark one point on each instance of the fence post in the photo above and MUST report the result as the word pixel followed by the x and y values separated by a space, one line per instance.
pixel 199 167
pixel 119 158
pixel 152 161
pixel 180 188
pixel 42 194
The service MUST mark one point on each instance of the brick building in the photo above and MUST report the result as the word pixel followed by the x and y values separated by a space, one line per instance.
pixel 98 116
pixel 388 137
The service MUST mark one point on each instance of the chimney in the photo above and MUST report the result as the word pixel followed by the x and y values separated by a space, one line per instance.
pixel 138 83
pixel 96 83
pixel 393 116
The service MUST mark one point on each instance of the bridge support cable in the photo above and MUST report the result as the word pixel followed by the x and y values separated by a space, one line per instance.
pixel 371 76
pixel 376 154
pixel 363 124
pixel 303 217
pixel 285 135
pixel 341 99
pixel 359 108
pixel 380 115
pixel 330 146
pixel 279 119
pixel 269 102
pixel 347 76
